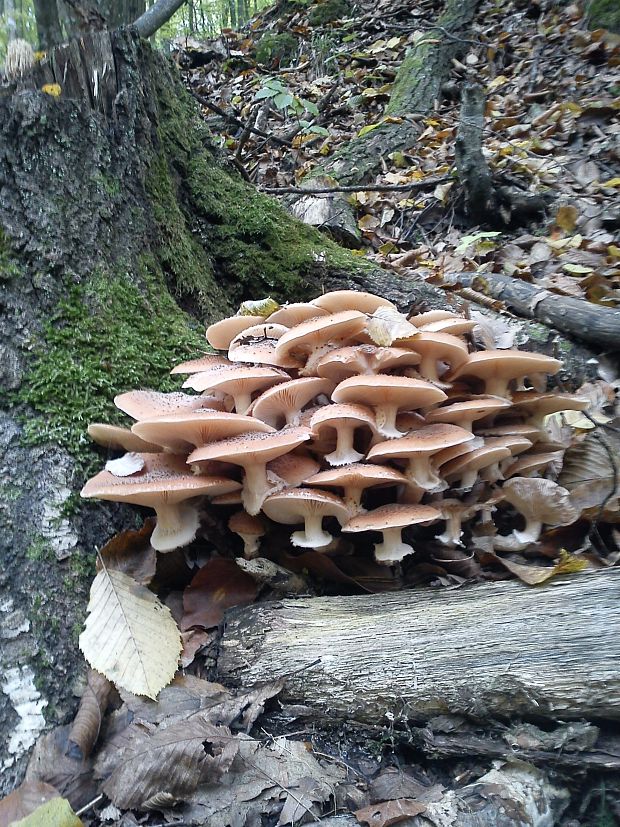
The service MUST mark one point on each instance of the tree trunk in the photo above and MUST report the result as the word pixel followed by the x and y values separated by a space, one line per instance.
pixel 11 23
pixel 48 23
pixel 499 650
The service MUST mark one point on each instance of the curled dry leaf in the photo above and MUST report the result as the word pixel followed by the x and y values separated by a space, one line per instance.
pixel 591 474
pixel 25 800
pixel 126 465
pixel 534 575
pixel 87 723
pixel 56 812
pixel 131 552
pixel 129 635
pixel 51 764
pixel 217 586
pixel 386 325
pixel 389 812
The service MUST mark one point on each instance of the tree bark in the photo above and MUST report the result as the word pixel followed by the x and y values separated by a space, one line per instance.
pixel 48 23
pixel 497 650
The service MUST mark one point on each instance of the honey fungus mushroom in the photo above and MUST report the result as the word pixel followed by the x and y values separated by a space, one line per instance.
pixel 307 506
pixel 540 502
pixel 391 520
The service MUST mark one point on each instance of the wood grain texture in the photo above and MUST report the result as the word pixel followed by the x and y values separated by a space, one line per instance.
pixel 498 649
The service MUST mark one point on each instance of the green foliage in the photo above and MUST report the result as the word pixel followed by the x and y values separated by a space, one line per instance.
pixel 277 49
pixel 328 12
pixel 604 14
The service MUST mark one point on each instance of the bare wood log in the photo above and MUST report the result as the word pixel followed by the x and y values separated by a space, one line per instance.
pixel 472 167
pixel 489 650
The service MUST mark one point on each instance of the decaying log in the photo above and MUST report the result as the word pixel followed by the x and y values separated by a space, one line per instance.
pixel 484 651
pixel 576 317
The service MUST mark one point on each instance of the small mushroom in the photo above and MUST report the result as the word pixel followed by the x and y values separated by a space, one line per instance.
pixel 297 505
pixel 314 338
pixel 390 520
pixel 283 404
pixel 250 529
pixel 454 512
pixel 355 479
pixel 435 348
pixel 240 382
pixel 466 413
pixel 345 420
pixel 221 334
pixel 541 502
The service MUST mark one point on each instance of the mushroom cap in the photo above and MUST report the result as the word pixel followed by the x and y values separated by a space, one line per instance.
pixel 221 334
pixel 541 500
pixel 146 404
pixel 339 300
pixel 430 316
pixel 439 346
pixel 381 389
pixel 395 515
pixel 164 479
pixel 252 448
pixel 543 404
pixel 234 379
pixel 474 460
pixel 530 432
pixel 206 362
pixel 507 364
pixel 293 468
pixel 341 414
pixel 427 440
pixel 293 505
pixel 296 313
pixel 469 411
pixel 524 466
pixel 121 439
pixel 233 498
pixel 515 443
pixel 353 360
pixel 243 523
pixel 257 344
pixel 184 431
pixel 310 335
pixel 277 402
pixel 358 475
pixel 455 326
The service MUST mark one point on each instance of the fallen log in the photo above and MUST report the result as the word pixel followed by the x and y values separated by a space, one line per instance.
pixel 485 651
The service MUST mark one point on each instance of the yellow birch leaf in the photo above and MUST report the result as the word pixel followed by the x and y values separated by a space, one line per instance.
pixel 54 813
pixel 566 218
pixel 129 636
pixel 613 183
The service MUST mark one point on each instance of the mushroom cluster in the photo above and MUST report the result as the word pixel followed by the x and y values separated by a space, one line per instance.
pixel 343 415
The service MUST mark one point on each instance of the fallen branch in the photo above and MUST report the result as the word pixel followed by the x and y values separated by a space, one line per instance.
pixel 412 185
pixel 155 17
pixel 233 119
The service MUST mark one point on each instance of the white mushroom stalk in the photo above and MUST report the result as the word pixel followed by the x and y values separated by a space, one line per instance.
pixel 177 524
pixel 392 549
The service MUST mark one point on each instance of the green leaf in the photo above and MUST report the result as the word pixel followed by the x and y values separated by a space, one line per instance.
pixel 265 92
pixel 468 240
pixel 54 813
pixel 310 106
pixel 283 100
pixel 319 130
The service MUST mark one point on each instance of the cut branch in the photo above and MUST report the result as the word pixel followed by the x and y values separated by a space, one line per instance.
pixel 155 17
pixel 486 651
pixel 412 185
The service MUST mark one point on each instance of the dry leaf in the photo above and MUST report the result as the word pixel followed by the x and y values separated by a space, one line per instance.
pixel 217 586
pixel 591 474
pixel 25 800
pixel 566 218
pixel 54 813
pixel 389 812
pixel 386 325
pixel 126 465
pixel 87 723
pixel 50 763
pixel 131 551
pixel 534 575
pixel 129 636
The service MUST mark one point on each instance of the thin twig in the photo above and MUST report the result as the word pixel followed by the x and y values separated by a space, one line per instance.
pixel 90 804
pixel 219 111
pixel 412 185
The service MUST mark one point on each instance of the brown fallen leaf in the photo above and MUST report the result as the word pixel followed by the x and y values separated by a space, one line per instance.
pixel 534 575
pixel 25 800
pixel 389 812
pixel 56 812
pixel 218 585
pixel 49 763
pixel 193 641
pixel 131 552
pixel 87 723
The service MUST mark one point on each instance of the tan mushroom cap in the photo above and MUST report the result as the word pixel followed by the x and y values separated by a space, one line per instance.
pixel 434 348
pixel 515 443
pixel 283 403
pixel 293 468
pixel 252 452
pixel 354 360
pixel 418 448
pixel 339 300
pixel 206 362
pixel 234 498
pixel 455 326
pixel 164 483
pixel 239 382
pixel 390 520
pixel 344 419
pixel 355 479
pixel 497 368
pixel 465 413
pixel 539 405
pixel 465 468
pixel 530 432
pixel 532 463
pixel 184 431
pixel 310 336
pixel 221 334
pixel 258 344
pixel 296 505
pixel 296 313
pixel 250 529
pixel 388 395
pixel 430 316
pixel 119 439
pixel 146 404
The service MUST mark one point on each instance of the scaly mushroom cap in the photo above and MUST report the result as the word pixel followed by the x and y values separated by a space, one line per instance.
pixel 536 406
pixel 310 336
pixel 296 313
pixel 532 463
pixel 238 382
pixel 354 360
pixel 339 300
pixel 465 413
pixel 355 479
pixel 296 505
pixel 418 449
pixel 221 334
pixel 184 431
pixel 293 468
pixel 250 529
pixel 390 520
pixel 455 327
pixel 541 502
pixel 119 439
pixel 164 483
pixel 388 395
pixel 258 344
pixel 434 348
pixel 465 468
pixel 206 362
pixel 344 419
pixel 283 403
pixel 421 319
pixel 146 404
pixel 497 368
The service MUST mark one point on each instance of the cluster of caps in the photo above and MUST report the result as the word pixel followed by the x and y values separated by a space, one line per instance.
pixel 342 411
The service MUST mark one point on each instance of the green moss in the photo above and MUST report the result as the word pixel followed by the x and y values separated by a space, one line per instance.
pixel 604 14
pixel 8 266
pixel 109 336
pixel 39 550
pixel 276 48
pixel 328 12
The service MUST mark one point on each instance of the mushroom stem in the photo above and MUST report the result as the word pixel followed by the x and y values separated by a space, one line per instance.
pixel 497 386
pixel 453 532
pixel 177 525
pixel 255 486
pixel 345 452
pixel 243 400
pixel 519 540
pixel 420 473
pixel 392 549
pixel 313 535
pixel 353 500
pixel 428 368
pixel 385 418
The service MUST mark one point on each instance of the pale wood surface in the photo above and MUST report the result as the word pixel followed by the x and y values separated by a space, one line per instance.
pixel 497 649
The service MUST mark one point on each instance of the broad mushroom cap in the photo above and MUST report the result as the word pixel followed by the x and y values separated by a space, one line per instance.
pixel 437 347
pixel 221 334
pixel 184 431
pixel 388 395
pixel 465 413
pixel 345 420
pixel 390 520
pixel 145 404
pixel 296 313
pixel 354 360
pixel 164 484
pixel 283 404
pixel 296 505
pixel 240 382
pixel 418 449
pixel 531 464
pixel 355 479
pixel 116 438
pixel 309 337
pixel 455 327
pixel 541 502
pixel 250 529
pixel 465 468
pixel 257 345
pixel 339 300
pixel 536 406
pixel 253 452
pixel 206 362
pixel 431 316
pixel 497 368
